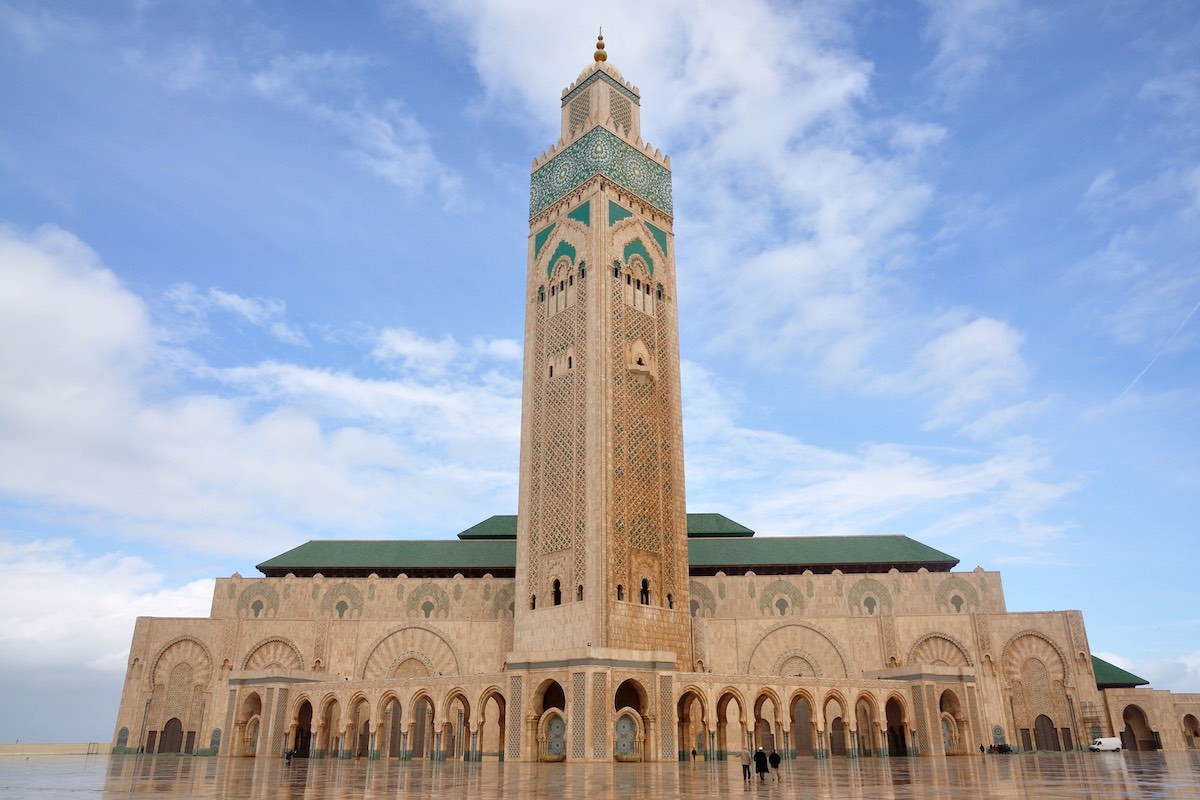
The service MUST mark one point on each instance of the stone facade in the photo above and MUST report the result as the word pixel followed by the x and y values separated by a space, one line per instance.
pixel 600 641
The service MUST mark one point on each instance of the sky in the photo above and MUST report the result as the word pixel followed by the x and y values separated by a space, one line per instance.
pixel 262 265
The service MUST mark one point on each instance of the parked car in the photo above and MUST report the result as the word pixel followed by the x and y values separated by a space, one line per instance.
pixel 1105 744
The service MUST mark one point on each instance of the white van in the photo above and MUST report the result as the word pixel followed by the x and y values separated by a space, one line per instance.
pixel 1106 743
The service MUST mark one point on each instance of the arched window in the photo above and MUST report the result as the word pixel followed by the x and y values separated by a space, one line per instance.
pixel 645 591
pixel 541 294
pixel 257 608
pixel 579 592
pixel 620 592
pixel 533 602
pixel 556 594
pixel 670 601
pixel 957 602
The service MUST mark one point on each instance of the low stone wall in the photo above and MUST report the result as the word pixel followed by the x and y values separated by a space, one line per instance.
pixel 67 749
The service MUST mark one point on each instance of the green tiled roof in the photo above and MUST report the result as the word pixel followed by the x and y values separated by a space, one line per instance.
pixel 500 526
pixel 392 557
pixel 708 554
pixel 1110 676
pixel 705 525
pixel 504 526
pixel 785 554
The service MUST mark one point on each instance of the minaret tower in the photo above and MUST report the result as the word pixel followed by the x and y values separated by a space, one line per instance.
pixel 602 560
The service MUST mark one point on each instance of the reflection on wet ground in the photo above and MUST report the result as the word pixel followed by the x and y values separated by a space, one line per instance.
pixel 1098 776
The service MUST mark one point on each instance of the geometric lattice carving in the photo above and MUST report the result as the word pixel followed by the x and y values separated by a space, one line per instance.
pixel 403 644
pixel 781 598
pixel 578 715
pixel 797 663
pixel 938 649
pixel 869 596
pixel 182 650
pixel 769 653
pixel 274 653
pixel 955 595
pixel 516 718
pixel 261 593
pixel 666 712
pixel 599 715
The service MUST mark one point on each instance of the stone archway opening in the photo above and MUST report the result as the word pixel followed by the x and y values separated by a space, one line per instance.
pixel 731 735
pixel 328 733
pixel 391 731
pixel 953 724
pixel 456 728
pixel 360 730
pixel 302 738
pixel 1191 731
pixel 691 732
pixel 248 725
pixel 630 703
pixel 868 730
pixel 766 724
pixel 804 727
pixel 1137 734
pixel 550 724
pixel 421 738
pixel 491 729
pixel 835 720
pixel 897 728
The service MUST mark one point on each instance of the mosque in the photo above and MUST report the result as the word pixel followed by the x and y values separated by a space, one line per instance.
pixel 603 622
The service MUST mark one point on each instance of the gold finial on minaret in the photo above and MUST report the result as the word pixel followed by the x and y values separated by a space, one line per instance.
pixel 600 54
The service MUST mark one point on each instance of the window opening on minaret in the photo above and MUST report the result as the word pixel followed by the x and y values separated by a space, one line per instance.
pixel 616 269
pixel 570 362
pixel 645 591
pixel 582 270
pixel 659 293
pixel 556 594
pixel 551 370
pixel 541 294
pixel 533 602
pixel 579 592
pixel 620 592
pixel 670 601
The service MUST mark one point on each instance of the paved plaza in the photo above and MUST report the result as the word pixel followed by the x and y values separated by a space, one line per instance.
pixel 1101 776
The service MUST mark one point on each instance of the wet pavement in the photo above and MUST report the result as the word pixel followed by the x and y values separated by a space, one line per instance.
pixel 1096 776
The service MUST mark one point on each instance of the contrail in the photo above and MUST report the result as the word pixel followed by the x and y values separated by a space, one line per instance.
pixel 1160 352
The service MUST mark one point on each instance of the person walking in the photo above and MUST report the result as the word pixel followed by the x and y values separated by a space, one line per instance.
pixel 760 764
pixel 773 760
pixel 745 763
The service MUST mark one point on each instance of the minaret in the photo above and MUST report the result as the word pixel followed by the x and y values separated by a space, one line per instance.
pixel 602 557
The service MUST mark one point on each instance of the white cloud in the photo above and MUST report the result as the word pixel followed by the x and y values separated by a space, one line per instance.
pixel 782 486
pixel 93 425
pixel 193 307
pixel 970 34
pixel 1180 674
pixel 87 619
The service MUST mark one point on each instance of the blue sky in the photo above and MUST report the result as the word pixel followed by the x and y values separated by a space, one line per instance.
pixel 261 272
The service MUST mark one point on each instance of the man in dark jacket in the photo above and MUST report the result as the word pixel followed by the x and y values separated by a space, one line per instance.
pixel 760 764
pixel 773 760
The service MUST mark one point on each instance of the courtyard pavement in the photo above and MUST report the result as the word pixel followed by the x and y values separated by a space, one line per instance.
pixel 1098 776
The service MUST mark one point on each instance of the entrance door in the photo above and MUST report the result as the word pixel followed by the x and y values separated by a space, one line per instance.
pixel 172 737
pixel 626 732
pixel 556 737
pixel 1045 735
